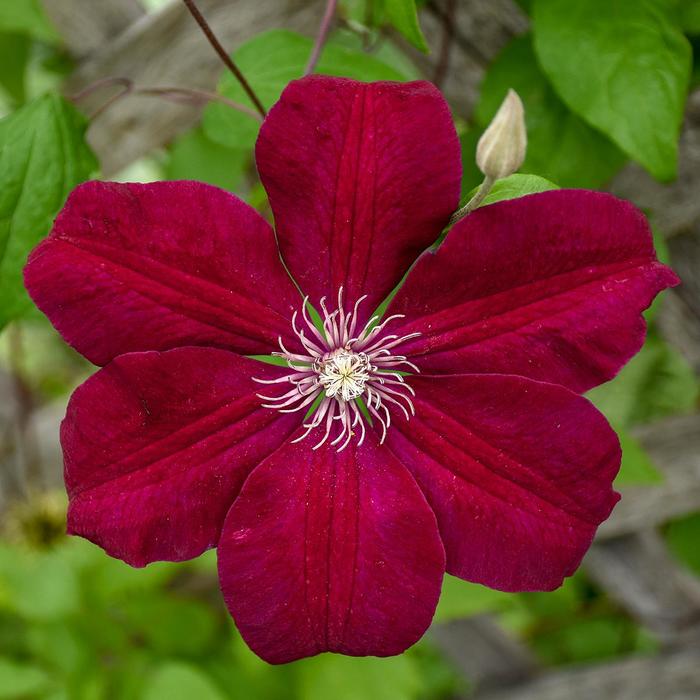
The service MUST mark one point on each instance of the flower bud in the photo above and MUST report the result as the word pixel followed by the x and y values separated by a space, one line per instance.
pixel 501 148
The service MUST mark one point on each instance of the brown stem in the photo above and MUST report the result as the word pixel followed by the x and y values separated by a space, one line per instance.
pixel 227 60
pixel 321 37
pixel 196 95
pixel 465 43
pixel 166 92
pixel 126 84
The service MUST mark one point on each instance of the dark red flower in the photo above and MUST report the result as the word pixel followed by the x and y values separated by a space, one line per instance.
pixel 338 541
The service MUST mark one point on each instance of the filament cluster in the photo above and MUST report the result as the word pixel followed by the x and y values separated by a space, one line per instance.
pixel 344 376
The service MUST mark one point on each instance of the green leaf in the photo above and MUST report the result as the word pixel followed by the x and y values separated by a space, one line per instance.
pixel 194 157
pixel 517 185
pixel 471 175
pixel 43 155
pixel 682 537
pixel 26 17
pixel 172 626
pixel 512 187
pixel 695 76
pixel 585 639
pixel 59 644
pixel 20 681
pixel 657 382
pixel 622 66
pixel 403 16
pixel 270 61
pixel 253 677
pixel 383 50
pixel 107 579
pixel 37 585
pixel 689 11
pixel 637 468
pixel 462 599
pixel 14 55
pixel 58 695
pixel 562 602
pixel 364 14
pixel 561 146
pixel 179 681
pixel 350 678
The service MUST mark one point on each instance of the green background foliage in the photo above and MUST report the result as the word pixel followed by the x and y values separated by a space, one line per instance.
pixel 270 61
pixel 561 146
pixel 632 68
pixel 43 156
pixel 603 82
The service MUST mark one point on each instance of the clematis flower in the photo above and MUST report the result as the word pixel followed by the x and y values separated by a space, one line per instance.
pixel 450 435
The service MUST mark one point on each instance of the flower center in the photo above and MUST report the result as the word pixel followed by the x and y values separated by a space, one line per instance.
pixel 340 367
pixel 343 374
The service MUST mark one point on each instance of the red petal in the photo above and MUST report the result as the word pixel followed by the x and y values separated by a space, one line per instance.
pixel 519 474
pixel 131 267
pixel 549 286
pixel 327 551
pixel 361 178
pixel 157 446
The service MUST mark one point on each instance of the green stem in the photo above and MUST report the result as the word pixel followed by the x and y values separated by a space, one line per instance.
pixel 474 202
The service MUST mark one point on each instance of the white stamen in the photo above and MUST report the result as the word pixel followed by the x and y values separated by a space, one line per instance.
pixel 344 374
pixel 340 369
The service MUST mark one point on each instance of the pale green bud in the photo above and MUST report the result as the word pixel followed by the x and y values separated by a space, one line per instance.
pixel 501 148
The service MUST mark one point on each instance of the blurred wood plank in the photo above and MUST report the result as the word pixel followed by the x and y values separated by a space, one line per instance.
pixel 480 30
pixel 167 48
pixel 30 449
pixel 626 561
pixel 680 317
pixel 674 209
pixel 12 483
pixel 639 573
pixel 670 675
pixel 86 25
pixel 674 446
pixel 675 206
pixel 680 320
pixel 483 652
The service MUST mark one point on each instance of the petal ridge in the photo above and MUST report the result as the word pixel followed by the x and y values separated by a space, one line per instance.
pixel 361 177
pixel 518 472
pixel 133 267
pixel 550 286
pixel 157 446
pixel 343 555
